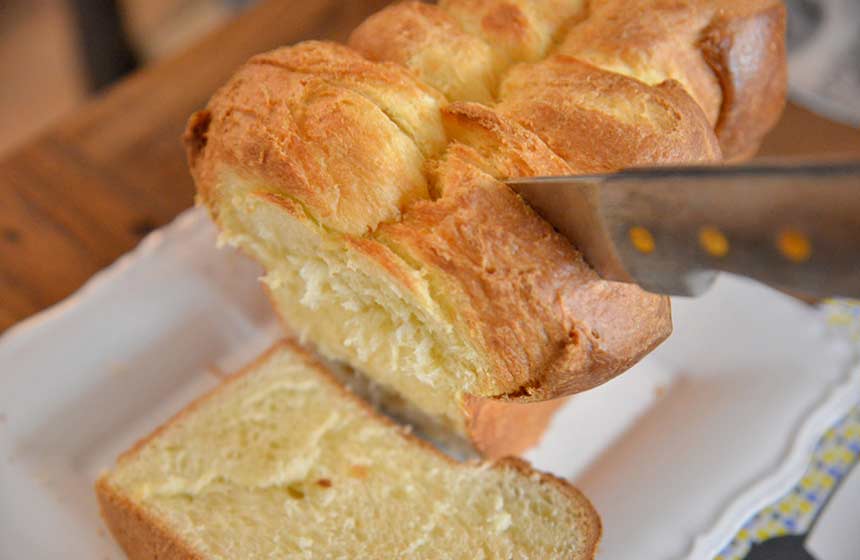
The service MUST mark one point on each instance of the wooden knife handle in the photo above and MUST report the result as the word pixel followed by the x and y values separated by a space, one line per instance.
pixel 795 228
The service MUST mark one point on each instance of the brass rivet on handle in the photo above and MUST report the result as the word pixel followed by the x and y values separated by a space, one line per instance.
pixel 713 241
pixel 794 245
pixel 642 239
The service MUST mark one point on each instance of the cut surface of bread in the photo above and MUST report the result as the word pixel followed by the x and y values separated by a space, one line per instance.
pixel 367 180
pixel 283 462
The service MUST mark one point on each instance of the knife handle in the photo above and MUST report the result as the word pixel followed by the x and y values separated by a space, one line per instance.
pixel 795 228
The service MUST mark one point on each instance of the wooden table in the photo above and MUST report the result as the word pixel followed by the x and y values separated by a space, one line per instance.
pixel 88 190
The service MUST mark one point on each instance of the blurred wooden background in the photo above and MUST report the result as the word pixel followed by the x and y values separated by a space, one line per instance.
pixel 40 64
pixel 108 170
pixel 85 190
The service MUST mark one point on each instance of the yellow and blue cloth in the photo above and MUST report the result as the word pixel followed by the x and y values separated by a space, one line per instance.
pixel 836 453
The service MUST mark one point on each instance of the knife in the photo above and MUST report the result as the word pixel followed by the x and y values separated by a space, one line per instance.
pixel 672 229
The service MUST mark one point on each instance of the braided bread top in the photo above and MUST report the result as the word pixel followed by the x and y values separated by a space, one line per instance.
pixel 728 55
pixel 396 143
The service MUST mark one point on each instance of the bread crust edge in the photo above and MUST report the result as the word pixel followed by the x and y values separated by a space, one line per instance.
pixel 142 536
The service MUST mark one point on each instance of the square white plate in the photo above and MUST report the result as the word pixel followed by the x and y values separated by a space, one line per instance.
pixel 684 446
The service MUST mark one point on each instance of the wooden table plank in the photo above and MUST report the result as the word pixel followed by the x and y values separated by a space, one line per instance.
pixel 88 190
pixel 803 134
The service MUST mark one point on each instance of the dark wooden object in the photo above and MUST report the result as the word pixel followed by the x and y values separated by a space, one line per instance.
pixel 105 48
pixel 86 191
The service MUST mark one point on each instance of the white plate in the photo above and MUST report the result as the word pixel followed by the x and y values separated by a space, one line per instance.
pixel 746 369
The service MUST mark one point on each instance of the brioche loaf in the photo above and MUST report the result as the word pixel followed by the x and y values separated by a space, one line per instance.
pixel 366 181
pixel 281 462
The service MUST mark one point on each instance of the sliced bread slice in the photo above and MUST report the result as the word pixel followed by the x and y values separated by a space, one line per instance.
pixel 283 462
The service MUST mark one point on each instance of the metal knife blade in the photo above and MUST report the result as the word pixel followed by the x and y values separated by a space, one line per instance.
pixel 671 229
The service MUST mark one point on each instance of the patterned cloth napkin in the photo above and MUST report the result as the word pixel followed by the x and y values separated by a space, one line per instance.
pixel 779 530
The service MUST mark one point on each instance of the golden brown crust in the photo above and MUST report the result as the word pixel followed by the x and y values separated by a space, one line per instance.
pixel 462 47
pixel 542 315
pixel 728 54
pixel 143 536
pixel 297 121
pixel 500 428
pixel 426 39
pixel 601 121
pixel 753 87
pixel 616 340
pixel 498 146
pixel 516 30
pixel 650 40
pixel 409 103
pixel 591 538
pixel 508 28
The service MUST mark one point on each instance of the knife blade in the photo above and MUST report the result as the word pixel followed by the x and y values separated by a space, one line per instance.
pixel 672 229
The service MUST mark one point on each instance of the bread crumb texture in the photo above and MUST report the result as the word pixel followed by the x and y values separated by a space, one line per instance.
pixel 366 179
pixel 281 462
